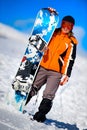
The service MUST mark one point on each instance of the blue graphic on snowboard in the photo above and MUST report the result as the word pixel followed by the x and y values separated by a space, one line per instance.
pixel 45 24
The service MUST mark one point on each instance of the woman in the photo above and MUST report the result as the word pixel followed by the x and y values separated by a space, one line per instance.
pixel 56 66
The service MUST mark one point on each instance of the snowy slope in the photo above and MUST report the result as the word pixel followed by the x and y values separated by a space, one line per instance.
pixel 8 32
pixel 69 108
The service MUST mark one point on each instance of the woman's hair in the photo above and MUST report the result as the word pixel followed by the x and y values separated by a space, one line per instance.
pixel 58 31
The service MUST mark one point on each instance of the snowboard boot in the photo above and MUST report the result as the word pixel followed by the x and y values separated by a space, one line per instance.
pixel 44 108
pixel 33 92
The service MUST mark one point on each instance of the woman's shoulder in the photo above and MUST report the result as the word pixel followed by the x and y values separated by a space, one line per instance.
pixel 57 30
pixel 74 40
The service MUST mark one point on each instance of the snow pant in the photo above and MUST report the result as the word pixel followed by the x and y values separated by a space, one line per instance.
pixel 51 79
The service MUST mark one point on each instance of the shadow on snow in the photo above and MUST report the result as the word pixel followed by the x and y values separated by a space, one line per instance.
pixel 61 124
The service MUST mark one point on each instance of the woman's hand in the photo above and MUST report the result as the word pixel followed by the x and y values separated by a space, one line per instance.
pixel 45 50
pixel 64 79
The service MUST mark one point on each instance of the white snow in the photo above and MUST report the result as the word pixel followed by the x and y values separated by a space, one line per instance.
pixel 8 32
pixel 69 111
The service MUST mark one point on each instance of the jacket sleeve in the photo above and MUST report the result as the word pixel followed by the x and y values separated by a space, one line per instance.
pixel 69 59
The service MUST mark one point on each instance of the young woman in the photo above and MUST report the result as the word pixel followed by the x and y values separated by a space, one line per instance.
pixel 56 66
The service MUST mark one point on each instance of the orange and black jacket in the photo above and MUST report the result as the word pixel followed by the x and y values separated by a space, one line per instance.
pixel 61 53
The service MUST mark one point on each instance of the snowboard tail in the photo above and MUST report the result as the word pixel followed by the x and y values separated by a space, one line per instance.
pixel 43 29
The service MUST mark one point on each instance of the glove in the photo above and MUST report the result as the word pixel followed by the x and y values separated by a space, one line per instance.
pixel 64 79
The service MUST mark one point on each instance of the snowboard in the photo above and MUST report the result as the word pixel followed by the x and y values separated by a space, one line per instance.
pixel 43 29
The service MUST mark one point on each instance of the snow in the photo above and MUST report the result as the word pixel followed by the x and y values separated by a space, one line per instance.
pixel 69 108
pixel 8 32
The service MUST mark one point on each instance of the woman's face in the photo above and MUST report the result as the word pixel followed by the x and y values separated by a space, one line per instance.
pixel 66 27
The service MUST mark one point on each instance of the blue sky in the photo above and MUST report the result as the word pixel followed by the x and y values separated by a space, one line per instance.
pixel 21 14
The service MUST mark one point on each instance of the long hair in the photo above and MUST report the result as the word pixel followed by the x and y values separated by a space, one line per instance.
pixel 58 31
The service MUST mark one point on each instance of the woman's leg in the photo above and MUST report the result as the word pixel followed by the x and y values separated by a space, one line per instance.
pixel 40 80
pixel 53 79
